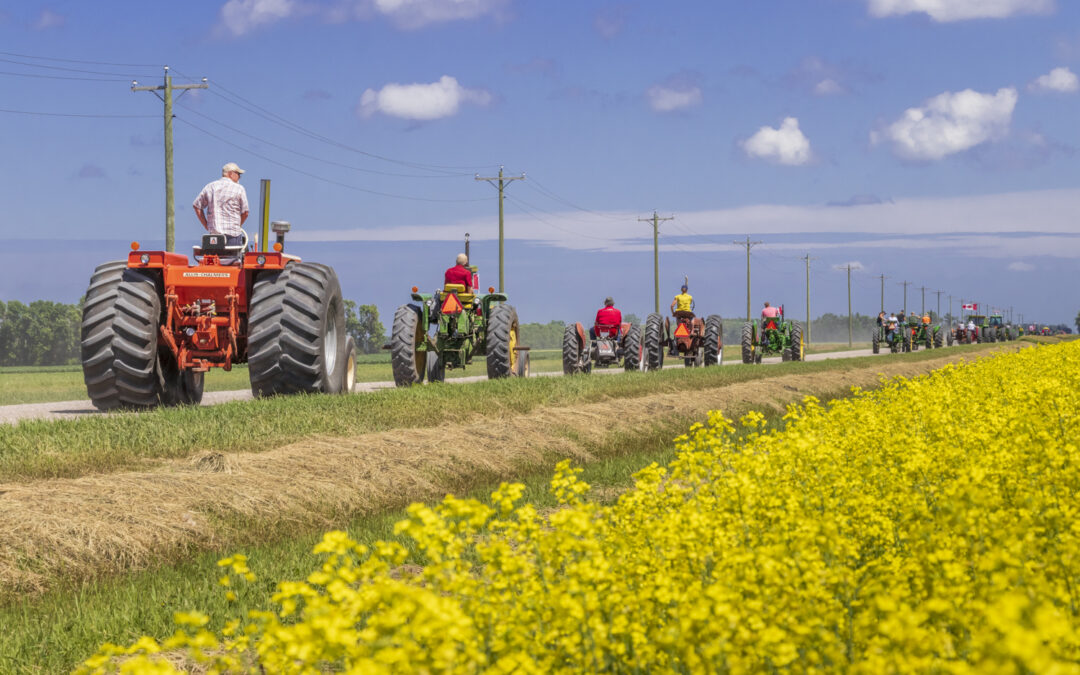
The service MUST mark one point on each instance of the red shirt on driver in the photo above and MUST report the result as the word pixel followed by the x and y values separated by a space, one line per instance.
pixel 459 274
pixel 609 316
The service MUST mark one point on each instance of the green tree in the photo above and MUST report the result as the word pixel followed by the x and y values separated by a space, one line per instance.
pixel 362 323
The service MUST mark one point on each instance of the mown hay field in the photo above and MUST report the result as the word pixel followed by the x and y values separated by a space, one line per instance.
pixel 930 524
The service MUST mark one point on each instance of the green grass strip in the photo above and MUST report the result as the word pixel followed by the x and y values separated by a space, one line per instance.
pixel 108 443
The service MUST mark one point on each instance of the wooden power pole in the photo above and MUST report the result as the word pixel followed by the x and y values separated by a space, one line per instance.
pixel 749 245
pixel 656 220
pixel 167 98
pixel 503 180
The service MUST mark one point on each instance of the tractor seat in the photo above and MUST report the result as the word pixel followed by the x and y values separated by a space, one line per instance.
pixel 465 298
pixel 684 316
pixel 214 244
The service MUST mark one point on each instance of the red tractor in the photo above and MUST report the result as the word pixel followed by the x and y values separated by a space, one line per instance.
pixel 603 346
pixel 154 324
pixel 700 342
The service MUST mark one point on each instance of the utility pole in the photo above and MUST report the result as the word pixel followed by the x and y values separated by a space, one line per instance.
pixel 883 278
pixel 950 311
pixel 749 245
pixel 905 284
pixel 849 338
pixel 923 289
pixel 938 293
pixel 655 220
pixel 501 186
pixel 807 258
pixel 167 98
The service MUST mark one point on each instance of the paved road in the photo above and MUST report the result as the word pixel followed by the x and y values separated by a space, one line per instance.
pixel 67 410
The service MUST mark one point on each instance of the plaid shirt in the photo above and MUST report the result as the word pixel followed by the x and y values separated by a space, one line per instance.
pixel 224 201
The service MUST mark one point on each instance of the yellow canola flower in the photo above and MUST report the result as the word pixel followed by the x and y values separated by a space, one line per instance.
pixel 928 525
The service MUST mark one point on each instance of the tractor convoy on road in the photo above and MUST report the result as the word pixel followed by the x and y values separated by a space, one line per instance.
pixel 155 323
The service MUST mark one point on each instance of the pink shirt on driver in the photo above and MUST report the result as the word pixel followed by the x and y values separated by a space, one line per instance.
pixel 770 313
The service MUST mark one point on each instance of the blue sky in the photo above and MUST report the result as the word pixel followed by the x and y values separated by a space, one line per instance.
pixel 931 141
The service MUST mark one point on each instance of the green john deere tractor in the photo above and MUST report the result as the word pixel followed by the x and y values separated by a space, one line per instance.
pixel 927 335
pixel 772 336
pixel 449 327
pixel 996 326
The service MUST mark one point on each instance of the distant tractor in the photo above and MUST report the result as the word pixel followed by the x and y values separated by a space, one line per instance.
pixel 603 346
pixel 774 335
pixel 927 335
pixel 889 335
pixel 448 328
pixel 699 342
pixel 154 324
pixel 995 324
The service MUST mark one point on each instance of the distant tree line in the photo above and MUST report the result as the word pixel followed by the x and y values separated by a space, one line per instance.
pixel 43 333
pixel 46 333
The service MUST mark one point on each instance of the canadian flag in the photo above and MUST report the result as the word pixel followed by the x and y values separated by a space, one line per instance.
pixel 969 306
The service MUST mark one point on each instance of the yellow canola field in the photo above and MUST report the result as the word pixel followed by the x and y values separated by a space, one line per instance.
pixel 929 525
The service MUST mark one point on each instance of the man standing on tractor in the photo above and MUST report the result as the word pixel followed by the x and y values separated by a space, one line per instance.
pixel 222 206
pixel 892 324
pixel 683 304
pixel 460 273
pixel 608 320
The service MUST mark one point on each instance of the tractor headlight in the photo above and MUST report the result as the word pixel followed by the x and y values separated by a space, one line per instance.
pixel 144 258
pixel 261 260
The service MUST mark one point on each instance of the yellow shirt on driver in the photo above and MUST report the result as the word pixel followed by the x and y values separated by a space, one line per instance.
pixel 683 302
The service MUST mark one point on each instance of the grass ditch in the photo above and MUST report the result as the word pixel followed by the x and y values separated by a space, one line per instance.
pixel 35 449
pixel 53 632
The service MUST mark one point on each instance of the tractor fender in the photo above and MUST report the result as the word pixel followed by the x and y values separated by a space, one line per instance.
pixel 581 335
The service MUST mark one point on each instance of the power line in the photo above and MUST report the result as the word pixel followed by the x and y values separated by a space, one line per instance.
pixel 69 70
pixel 316 176
pixel 91 63
pixel 307 156
pixel 65 77
pixel 53 114
pixel 551 195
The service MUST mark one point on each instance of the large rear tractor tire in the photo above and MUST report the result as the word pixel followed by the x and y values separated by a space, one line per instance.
pixel 633 350
pixel 502 341
pixel 748 343
pixel 571 351
pixel 119 338
pixel 297 334
pixel 875 343
pixel 939 340
pixel 406 335
pixel 796 342
pixel 714 340
pixel 654 342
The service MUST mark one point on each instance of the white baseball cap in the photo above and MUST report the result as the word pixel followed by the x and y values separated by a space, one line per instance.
pixel 229 168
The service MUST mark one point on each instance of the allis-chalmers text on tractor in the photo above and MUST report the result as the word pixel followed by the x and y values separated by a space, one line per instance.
pixel 154 324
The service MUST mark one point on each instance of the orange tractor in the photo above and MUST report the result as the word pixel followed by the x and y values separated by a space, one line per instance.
pixel 154 324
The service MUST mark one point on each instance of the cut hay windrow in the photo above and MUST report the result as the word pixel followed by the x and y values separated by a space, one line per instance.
pixel 97 525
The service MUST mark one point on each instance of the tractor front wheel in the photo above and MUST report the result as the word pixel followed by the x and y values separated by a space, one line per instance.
pixel 502 341
pixel 296 331
pixel 632 349
pixel 406 359
pixel 654 342
pixel 714 340
pixel 436 367
pixel 119 338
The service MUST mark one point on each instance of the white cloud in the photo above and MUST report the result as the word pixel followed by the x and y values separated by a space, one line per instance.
pixel 1059 79
pixel 239 17
pixel 959 10
pixel 855 265
pixel 673 96
pixel 1005 226
pixel 786 145
pixel 1021 266
pixel 49 19
pixel 242 16
pixel 950 123
pixel 418 13
pixel 828 87
pixel 421 101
